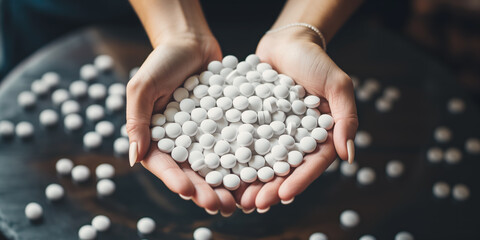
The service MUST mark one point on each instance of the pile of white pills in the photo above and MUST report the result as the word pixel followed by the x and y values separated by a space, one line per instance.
pixel 240 121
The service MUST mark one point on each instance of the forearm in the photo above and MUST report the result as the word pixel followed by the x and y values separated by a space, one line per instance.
pixel 327 15
pixel 165 18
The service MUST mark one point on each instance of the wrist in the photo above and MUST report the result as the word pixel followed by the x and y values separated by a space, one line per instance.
pixel 293 34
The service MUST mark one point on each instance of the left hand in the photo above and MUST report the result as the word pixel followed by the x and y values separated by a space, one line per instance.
pixel 296 52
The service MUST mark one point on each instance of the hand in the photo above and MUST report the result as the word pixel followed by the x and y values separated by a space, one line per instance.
pixel 173 60
pixel 296 52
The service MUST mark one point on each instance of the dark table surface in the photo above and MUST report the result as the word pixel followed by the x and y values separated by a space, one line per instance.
pixel 385 208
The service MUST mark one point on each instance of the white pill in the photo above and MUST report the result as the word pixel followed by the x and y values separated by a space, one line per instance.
pixel 243 154
pixel 187 105
pixel 367 237
pixel 262 146
pixel 51 79
pixel 233 115
pixel 309 122
pixel 215 91
pixel 198 115
pixel 221 147
pixel 166 145
pixel 48 117
pixel 257 162
pixel 298 107
pixel 78 89
pixel 214 178
pixel 114 102
pixel 103 62
pixel 104 170
pixel 253 76
pixel 442 134
pixel 73 121
pixel 293 119
pixel 157 133
pixel 243 68
pixel 286 80
pixel 189 128
pixel 287 141
pixel 347 169
pixel 121 145
pixel 191 83
pixel 460 192
pixel 24 129
pixel 294 158
pixel 252 59
pixel 456 105
pixel 64 166
pixel 261 67
pixel 212 160
pixel 240 102
pixel 26 99
pixel 249 116
pixel 383 105
pixel 92 140
pixel 180 93
pixel 195 154
pixel 173 130
pixel 284 105
pixel 319 134
pixel 205 76
pixel 228 161
pixel 200 91
pixel 54 192
pixel 366 176
pixel 231 182
pixel 318 236
pixel 97 91
pixel 312 101
pixel 472 146
pixel 247 89
pixel 229 61
pixel 435 155
pixel 94 112
pixel 208 126
pixel 146 225
pixel 308 144
pixel 248 174
pixel 278 127
pixel 313 112
pixel 255 103
pixel 170 114
pixel 441 189
pixel 245 139
pixel 270 104
pixel 224 103
pixel 39 87
pixel 281 168
pixel 265 174
pixel 215 67
pixel 270 160
pixel 246 128
pixel 299 90
pixel 394 169
pixel 7 128
pixel 179 154
pixel 117 89
pixel 453 155
pixel 404 236
pixel 216 79
pixel 265 131
pixel 362 139
pixel 263 91
pixel 325 121
pixel 349 218
pixel 207 141
pixel 87 232
pixel 105 128
pixel 202 233
pixel 181 117
pixel 80 173
pixel 239 80
pixel 101 223
pixel 280 91
pixel 33 211
pixel 123 131
pixel 70 106
pixel 105 187
pixel 279 152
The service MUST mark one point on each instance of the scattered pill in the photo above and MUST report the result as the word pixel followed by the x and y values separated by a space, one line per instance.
pixel 101 223
pixel 26 99
pixel 472 145
pixel 92 140
pixel 347 169
pixel 54 192
pixel 105 187
pixel 7 128
pixel 24 129
pixel 39 87
pixel 97 91
pixel 362 139
pixel 33 211
pixel 460 192
pixel 404 236
pixel 442 134
pixel 453 155
pixel 64 166
pixel 349 218
pixel 115 102
pixel 105 128
pixel 59 96
pixel 202 233
pixel 441 189
pixel 456 105
pixel 318 236
pixel 70 106
pixel 87 232
pixel 104 170
pixel 435 155
pixel 121 145
pixel 146 225
pixel 94 112
pixel 80 173
pixel 366 176
pixel 394 169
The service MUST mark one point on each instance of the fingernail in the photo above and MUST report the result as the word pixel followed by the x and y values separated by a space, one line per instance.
pixel 185 197
pixel 286 202
pixel 226 214
pixel 238 206
pixel 261 211
pixel 211 212
pixel 350 150
pixel 133 153
pixel 248 211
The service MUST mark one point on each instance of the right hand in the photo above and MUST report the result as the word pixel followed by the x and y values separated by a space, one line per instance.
pixel 172 61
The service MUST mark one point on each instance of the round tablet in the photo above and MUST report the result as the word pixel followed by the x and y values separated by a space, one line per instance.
pixel 319 134
pixel 215 67
pixel 157 133
pixel 54 192
pixel 313 112
pixel 278 127
pixel 105 187
pixel 114 102
pixel 261 67
pixel 281 168
pixel 87 232
pixel 366 176
pixel 64 166
pixel 206 103
pixel 101 223
pixel 367 237
pixel 245 139
pixel 347 169
pixel 180 93
pixel 247 89
pixel 279 152
pixel 88 72
pixel 198 115
pixel 299 90
pixel 146 225
pixel 442 134
pixel 231 182
pixel 229 134
pixel 179 154
pixel 181 117
pixel 200 91
pixel 248 174
pixel 243 68
pixel 394 169
pixel 80 173
pixel 263 91
pixel 270 75
pixel 435 155
pixel 121 145
pixel 287 141
pixel 308 144
pixel 73 121
pixel 325 121
pixel 362 139
pixel 284 105
pixel 207 141
pixel 472 145
pixel 280 91
pixel 299 107
pixel 202 233
pixel 383 105
pixel 78 89
pixel 189 128
pixel 212 160
pixel 104 170
pixel 191 83
pixel 95 112
pixel 243 154
pixel 265 174
pixel 221 147
pixel 195 154
pixel 92 140
pixel 39 87
pixel 70 106
pixel 105 128
pixel 441 189
pixel 349 218
pixel 312 101
pixel 309 122
pixel 173 130
pixel 165 145
pixel 215 91
pixel 33 211
pixel 103 62
pixel 453 155
pixel 246 128
pixel 255 103
pixel 51 79
pixel 24 129
pixel 198 165
pixel 214 178
pixel 7 128
pixel 460 192
pixel 318 236
pixel 262 146
pixel 294 158
pixel 183 141
pixel 233 115
pixel 404 236
pixel 117 89
pixel 59 96
pixel 204 76
pixel 228 161
pixel 265 131
pixel 26 99
pixel 97 91
pixel 456 105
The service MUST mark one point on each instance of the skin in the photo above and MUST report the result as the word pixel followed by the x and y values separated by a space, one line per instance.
pixel 186 47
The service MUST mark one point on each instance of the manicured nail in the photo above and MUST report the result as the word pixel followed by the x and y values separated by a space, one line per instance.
pixel 185 197
pixel 211 212
pixel 261 211
pixel 226 215
pixel 350 150
pixel 239 206
pixel 286 202
pixel 133 153
pixel 248 211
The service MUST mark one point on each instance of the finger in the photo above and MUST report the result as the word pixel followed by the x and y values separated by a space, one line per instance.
pixel 237 194
pixel 248 198
pixel 314 165
pixel 204 195
pixel 227 202
pixel 268 195
pixel 164 167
